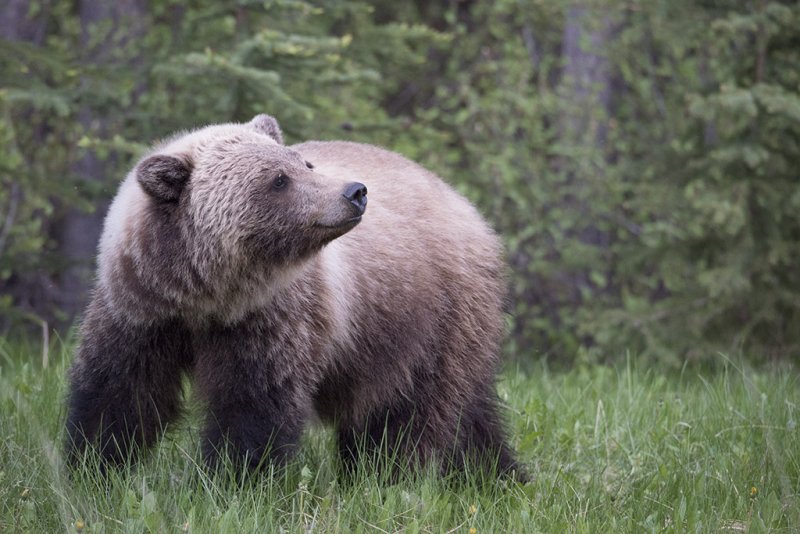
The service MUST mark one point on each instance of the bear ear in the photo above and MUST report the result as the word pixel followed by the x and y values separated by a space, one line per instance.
pixel 268 125
pixel 163 177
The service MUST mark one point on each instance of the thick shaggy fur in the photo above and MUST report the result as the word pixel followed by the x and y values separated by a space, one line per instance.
pixel 242 262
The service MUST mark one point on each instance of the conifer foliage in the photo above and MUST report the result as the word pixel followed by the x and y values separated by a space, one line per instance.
pixel 642 160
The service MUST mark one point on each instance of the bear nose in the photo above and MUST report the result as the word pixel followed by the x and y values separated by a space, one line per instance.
pixel 356 193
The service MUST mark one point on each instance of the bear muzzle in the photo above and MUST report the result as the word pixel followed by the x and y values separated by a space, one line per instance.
pixel 355 195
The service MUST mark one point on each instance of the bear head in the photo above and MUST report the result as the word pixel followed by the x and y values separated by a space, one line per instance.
pixel 229 205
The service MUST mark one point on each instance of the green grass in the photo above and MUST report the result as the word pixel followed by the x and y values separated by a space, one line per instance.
pixel 611 450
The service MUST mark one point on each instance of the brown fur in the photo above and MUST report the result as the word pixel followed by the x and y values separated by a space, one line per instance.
pixel 281 305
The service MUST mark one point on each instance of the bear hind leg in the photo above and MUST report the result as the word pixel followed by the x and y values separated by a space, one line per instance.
pixel 485 447
pixel 388 443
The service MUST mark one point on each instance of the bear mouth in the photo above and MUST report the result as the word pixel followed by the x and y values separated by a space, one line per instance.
pixel 349 222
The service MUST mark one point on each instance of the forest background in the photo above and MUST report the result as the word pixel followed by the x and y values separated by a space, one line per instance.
pixel 641 159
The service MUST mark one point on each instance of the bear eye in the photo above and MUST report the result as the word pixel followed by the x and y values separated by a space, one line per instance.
pixel 309 165
pixel 280 181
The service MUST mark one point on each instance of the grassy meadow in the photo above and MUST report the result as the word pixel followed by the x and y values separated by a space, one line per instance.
pixel 611 449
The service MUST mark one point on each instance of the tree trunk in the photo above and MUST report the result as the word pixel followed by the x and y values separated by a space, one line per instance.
pixel 15 25
pixel 29 290
pixel 79 232
pixel 586 78
pixel 586 90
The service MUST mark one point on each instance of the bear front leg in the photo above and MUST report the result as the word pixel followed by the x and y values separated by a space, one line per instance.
pixel 256 408
pixel 124 384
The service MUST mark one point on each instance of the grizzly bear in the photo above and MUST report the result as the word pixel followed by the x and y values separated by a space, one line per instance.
pixel 257 269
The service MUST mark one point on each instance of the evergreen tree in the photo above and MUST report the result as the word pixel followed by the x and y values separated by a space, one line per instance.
pixel 641 159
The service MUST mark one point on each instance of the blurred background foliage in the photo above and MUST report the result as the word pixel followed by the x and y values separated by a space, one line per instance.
pixel 641 159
